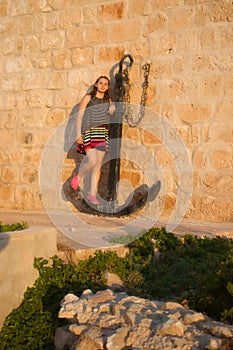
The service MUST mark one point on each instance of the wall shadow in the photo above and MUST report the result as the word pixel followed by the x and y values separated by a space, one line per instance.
pixel 4 239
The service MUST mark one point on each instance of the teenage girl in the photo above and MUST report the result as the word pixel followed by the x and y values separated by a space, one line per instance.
pixel 92 132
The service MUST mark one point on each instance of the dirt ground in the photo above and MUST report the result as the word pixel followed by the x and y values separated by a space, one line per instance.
pixel 33 218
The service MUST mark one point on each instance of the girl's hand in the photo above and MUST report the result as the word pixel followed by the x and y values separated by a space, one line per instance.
pixel 111 109
pixel 79 139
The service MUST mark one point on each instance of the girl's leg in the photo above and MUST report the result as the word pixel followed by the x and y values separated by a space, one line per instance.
pixel 88 164
pixel 96 170
pixel 84 169
pixel 93 165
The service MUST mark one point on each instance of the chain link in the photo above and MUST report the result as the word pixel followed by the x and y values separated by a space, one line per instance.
pixel 128 116
pixel 122 91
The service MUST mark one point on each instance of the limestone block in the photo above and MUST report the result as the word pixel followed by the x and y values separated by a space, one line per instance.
pixel 163 5
pixel 191 134
pixel 32 81
pixel 8 27
pixel 33 117
pixel 211 86
pixel 8 46
pixel 8 119
pixel 139 337
pixel 32 157
pixel 164 157
pixel 82 56
pixel 101 297
pixel 202 62
pixel 6 194
pixel 207 37
pixel 141 50
pixel 52 40
pixel 157 21
pixel 132 176
pixel 42 61
pixel 94 334
pixel 10 174
pixel 39 98
pixel 218 209
pixel 56 117
pixel 29 175
pixel 69 17
pixel 61 59
pixel 200 158
pixel 3 10
pixel 7 138
pixel 221 159
pixel 162 43
pixel 74 36
pixel 191 113
pixel 171 327
pixel 169 203
pixel 89 14
pixel 4 156
pixel 25 24
pixel 56 80
pixel 223 37
pixel 117 340
pixel 224 111
pixel 222 61
pixel 77 76
pixel 221 11
pixel 96 34
pixel 129 31
pixel 109 12
pixel 149 138
pixel 17 100
pixel 77 329
pixel 11 83
pixel 182 18
pixel 108 54
pixel 66 98
pixel 16 64
pixel 24 197
pixel 221 133
pixel 229 85
pixel 170 305
pixel 213 183
pixel 193 317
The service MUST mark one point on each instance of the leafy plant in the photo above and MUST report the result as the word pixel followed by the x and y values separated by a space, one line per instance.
pixel 13 227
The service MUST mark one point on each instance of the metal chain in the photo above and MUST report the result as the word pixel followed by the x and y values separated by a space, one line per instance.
pixel 133 122
pixel 122 91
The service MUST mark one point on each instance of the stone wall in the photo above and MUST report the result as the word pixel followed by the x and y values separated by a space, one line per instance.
pixel 51 51
pixel 17 252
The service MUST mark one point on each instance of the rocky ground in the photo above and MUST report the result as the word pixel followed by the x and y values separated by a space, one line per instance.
pixel 116 321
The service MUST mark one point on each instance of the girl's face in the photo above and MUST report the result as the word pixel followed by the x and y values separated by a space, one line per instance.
pixel 102 85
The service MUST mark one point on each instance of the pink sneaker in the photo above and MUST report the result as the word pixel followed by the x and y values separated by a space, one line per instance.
pixel 93 199
pixel 74 183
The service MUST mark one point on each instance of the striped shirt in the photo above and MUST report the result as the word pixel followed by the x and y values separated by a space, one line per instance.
pixel 96 114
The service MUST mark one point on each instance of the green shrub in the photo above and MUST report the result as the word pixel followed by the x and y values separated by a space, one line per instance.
pixel 191 270
pixel 13 227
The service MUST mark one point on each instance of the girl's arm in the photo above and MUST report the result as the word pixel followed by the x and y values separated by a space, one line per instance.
pixel 81 110
pixel 112 107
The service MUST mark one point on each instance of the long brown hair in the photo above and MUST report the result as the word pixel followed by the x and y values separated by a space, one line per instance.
pixel 94 89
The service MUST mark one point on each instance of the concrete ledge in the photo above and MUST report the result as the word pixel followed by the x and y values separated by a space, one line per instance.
pixel 17 252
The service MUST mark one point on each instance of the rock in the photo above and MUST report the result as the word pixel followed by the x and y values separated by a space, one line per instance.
pixel 63 338
pixel 111 320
